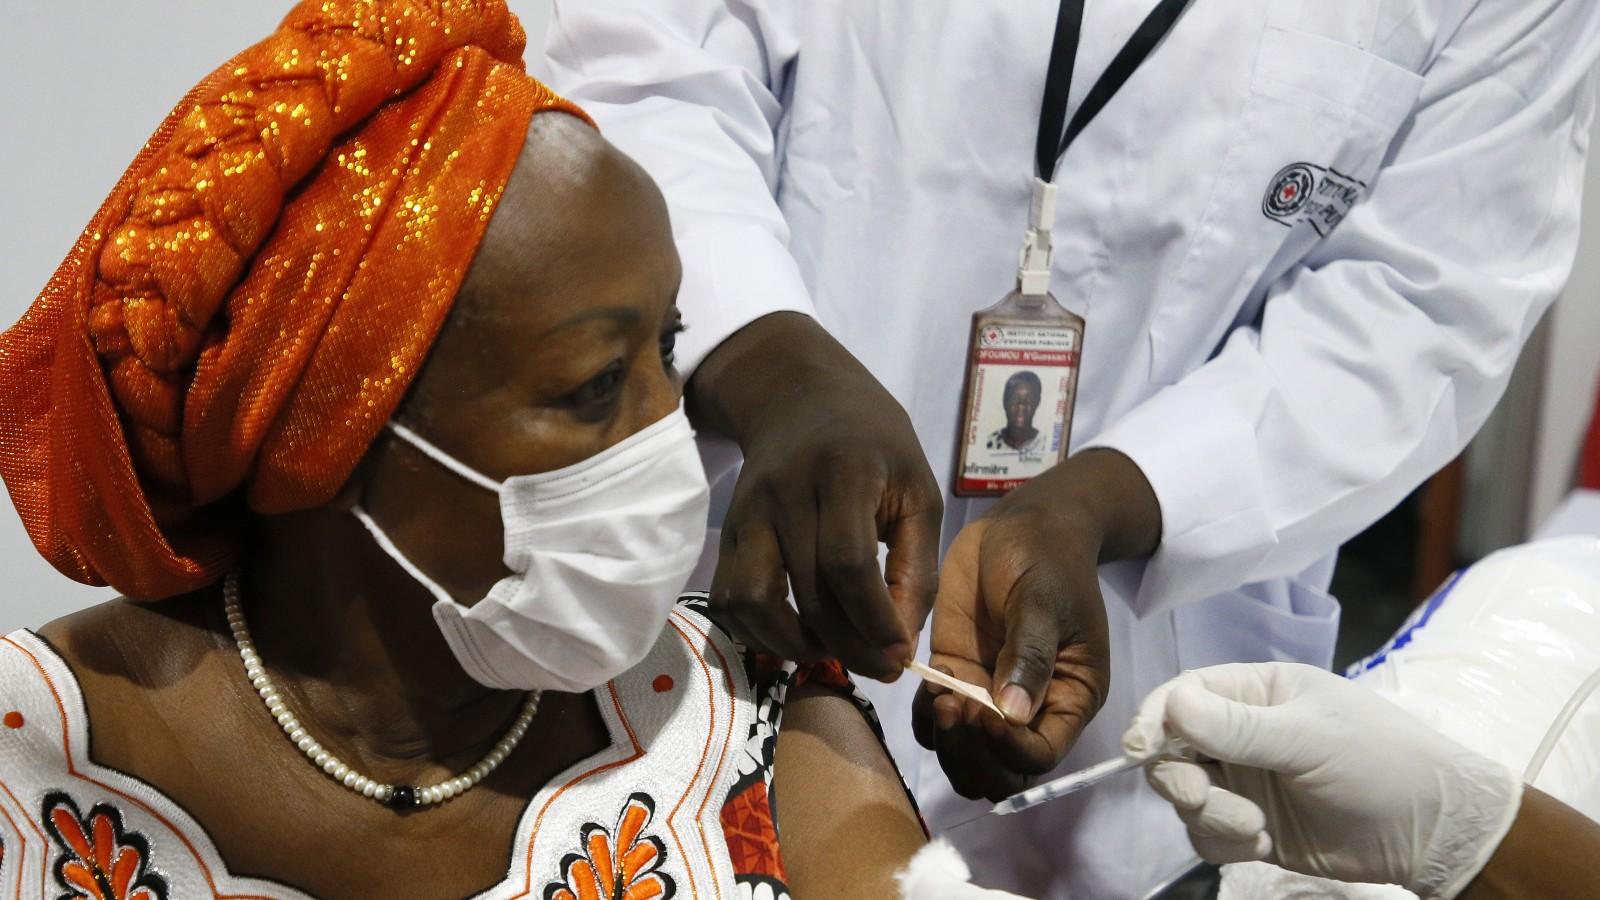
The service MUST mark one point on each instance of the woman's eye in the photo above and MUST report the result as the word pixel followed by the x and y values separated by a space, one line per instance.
pixel 669 343
pixel 599 391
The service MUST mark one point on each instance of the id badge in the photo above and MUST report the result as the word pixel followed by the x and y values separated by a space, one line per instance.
pixel 1021 388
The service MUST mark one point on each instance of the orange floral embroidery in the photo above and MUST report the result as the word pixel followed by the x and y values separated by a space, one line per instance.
pixel 99 860
pixel 621 869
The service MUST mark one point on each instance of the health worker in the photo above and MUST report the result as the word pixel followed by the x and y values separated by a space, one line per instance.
pixel 1293 774
pixel 1270 262
pixel 1325 777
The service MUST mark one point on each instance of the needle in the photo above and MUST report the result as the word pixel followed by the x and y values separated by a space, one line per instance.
pixel 1057 788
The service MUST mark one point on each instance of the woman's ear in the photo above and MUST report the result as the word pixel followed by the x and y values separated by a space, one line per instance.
pixel 353 492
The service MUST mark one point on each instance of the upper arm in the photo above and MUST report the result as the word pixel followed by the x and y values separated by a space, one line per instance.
pixel 693 92
pixel 1374 361
pixel 844 815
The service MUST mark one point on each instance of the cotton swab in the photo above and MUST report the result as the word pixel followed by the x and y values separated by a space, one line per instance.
pixel 955 685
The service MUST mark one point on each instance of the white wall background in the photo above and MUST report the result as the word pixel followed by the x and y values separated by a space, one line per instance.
pixel 86 82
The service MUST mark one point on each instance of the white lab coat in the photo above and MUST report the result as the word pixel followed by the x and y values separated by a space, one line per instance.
pixel 870 163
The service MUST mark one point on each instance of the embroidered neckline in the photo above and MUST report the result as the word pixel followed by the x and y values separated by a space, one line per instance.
pixel 520 877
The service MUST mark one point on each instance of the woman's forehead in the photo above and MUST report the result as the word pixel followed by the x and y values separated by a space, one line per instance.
pixel 580 228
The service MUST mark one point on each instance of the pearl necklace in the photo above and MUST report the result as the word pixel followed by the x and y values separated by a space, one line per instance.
pixel 396 796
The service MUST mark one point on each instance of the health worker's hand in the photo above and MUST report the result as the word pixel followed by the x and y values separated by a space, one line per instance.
pixel 832 466
pixel 1019 612
pixel 1322 776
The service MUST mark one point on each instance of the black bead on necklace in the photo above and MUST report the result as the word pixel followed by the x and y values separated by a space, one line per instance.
pixel 403 797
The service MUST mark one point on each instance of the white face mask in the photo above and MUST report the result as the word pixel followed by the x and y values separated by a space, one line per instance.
pixel 598 553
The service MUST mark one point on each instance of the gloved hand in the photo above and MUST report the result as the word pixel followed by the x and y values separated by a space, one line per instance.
pixel 938 872
pixel 1319 775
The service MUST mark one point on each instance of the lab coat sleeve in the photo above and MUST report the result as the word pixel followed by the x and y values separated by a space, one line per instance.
pixel 692 91
pixel 1377 359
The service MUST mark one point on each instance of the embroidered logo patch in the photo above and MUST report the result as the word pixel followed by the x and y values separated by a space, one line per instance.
pixel 1304 192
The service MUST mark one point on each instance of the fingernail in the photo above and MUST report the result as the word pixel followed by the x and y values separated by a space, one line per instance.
pixel 1014 702
pixel 946 715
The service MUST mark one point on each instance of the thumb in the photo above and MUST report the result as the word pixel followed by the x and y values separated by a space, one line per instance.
pixel 1147 737
pixel 1229 731
pixel 1027 661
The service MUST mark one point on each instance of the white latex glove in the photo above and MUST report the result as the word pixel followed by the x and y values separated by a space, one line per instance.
pixel 1321 776
pixel 937 872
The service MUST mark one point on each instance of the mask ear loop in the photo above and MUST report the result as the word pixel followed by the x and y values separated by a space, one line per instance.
pixel 443 458
pixel 393 552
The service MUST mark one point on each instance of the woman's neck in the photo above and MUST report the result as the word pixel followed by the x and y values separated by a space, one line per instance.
pixel 351 641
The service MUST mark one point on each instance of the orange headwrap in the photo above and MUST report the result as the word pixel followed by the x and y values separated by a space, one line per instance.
pixel 250 304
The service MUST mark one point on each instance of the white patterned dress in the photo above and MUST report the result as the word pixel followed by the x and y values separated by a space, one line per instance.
pixel 680 805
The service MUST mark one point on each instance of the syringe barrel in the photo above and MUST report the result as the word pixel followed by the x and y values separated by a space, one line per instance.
pixel 1066 784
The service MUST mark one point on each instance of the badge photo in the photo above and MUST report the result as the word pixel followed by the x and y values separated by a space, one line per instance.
pixel 1021 380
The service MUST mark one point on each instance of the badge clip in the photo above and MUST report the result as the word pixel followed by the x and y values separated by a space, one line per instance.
pixel 1033 262
pixel 1022 373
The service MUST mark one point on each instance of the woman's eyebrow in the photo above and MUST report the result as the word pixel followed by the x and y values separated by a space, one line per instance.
pixel 623 314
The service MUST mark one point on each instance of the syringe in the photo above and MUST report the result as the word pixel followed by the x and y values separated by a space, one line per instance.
pixel 1073 782
pixel 1066 784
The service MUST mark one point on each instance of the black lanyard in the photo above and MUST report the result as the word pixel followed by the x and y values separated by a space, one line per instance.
pixel 1058 80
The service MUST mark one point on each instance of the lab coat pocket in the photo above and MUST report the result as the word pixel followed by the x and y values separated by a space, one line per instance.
pixel 1278 621
pixel 1312 135
pixel 1324 103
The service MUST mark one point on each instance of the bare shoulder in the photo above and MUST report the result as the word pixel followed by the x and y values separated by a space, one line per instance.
pixel 846 821
pixel 123 646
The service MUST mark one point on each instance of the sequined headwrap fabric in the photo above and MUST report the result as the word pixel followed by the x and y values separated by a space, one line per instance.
pixel 246 310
